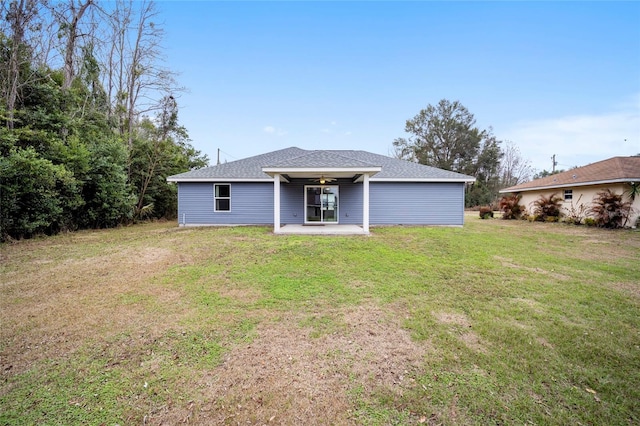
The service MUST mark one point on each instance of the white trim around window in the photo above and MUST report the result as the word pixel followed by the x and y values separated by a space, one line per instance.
pixel 221 197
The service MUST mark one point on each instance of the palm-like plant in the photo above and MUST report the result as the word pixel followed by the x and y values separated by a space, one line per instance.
pixel 609 209
pixel 510 206
pixel 632 192
pixel 548 208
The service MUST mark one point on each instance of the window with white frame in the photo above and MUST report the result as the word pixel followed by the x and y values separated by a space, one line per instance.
pixel 568 194
pixel 221 197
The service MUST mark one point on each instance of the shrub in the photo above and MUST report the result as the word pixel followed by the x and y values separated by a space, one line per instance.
pixel 609 210
pixel 486 212
pixel 548 207
pixel 510 206
pixel 589 221
pixel 36 196
pixel 576 212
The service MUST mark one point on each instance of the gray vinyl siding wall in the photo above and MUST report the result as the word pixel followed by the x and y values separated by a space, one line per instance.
pixel 416 203
pixel 391 203
pixel 349 201
pixel 251 204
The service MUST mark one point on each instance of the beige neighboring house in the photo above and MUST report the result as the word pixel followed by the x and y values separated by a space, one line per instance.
pixel 579 186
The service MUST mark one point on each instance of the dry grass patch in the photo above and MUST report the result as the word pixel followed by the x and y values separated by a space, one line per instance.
pixel 452 318
pixel 463 329
pixel 60 304
pixel 628 288
pixel 286 376
pixel 509 263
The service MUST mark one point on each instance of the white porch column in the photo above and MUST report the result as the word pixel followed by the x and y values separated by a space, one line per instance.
pixel 365 203
pixel 276 203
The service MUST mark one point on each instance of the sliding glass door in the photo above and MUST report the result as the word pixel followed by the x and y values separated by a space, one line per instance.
pixel 321 204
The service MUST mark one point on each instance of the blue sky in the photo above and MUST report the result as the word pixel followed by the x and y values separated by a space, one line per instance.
pixel 557 78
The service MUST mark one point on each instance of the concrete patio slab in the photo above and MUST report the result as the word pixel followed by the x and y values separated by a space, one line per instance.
pixel 322 230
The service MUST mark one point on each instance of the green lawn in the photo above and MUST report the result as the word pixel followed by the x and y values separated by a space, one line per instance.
pixel 498 322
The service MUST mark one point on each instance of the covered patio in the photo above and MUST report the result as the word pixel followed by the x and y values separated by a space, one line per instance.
pixel 321 167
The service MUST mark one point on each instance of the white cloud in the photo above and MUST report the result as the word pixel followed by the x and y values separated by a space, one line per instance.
pixel 333 123
pixel 274 131
pixel 325 130
pixel 347 133
pixel 579 139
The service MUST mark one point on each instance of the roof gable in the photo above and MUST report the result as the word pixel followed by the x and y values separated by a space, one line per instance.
pixel 325 159
pixel 612 170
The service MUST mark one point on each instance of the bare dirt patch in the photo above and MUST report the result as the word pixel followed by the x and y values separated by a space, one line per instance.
pixel 285 376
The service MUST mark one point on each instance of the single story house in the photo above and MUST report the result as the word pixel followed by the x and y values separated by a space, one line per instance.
pixel 298 187
pixel 579 186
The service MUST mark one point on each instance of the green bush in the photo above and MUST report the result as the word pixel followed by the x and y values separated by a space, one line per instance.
pixel 589 221
pixel 36 196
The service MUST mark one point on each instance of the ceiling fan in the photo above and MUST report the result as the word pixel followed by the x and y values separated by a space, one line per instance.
pixel 322 180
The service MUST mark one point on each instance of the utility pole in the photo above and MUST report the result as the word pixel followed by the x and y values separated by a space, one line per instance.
pixel 218 157
pixel 555 163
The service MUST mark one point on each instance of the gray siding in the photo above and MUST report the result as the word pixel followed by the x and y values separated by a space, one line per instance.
pixel 416 203
pixel 350 203
pixel 251 204
pixel 291 201
pixel 391 203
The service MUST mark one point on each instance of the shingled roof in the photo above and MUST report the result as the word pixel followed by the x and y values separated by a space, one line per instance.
pixel 295 158
pixel 613 170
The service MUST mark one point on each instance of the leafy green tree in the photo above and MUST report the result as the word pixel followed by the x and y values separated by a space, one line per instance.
pixel 443 136
pixel 109 199
pixel 161 149
pixel 69 157
pixel 545 173
pixel 446 136
pixel 35 195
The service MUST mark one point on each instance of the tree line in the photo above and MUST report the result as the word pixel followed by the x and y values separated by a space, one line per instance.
pixel 89 118
pixel 445 135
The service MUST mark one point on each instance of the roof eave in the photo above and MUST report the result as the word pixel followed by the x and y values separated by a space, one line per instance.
pixel 216 179
pixel 469 180
pixel 569 184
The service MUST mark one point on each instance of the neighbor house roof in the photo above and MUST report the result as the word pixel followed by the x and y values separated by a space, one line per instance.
pixel 613 170
pixel 294 160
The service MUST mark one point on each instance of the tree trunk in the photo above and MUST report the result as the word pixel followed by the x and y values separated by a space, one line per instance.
pixel 72 36
pixel 17 18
